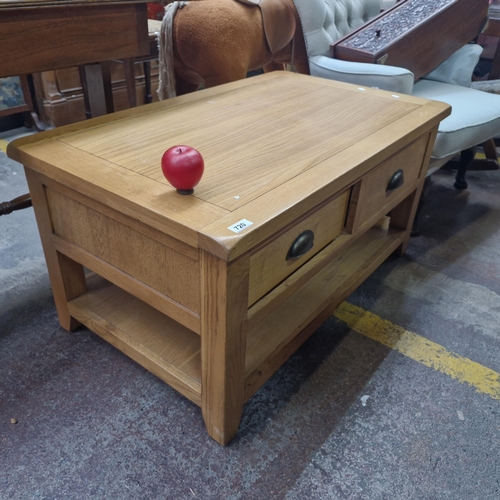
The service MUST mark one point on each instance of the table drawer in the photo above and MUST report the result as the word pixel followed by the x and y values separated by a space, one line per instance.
pixel 374 194
pixel 292 248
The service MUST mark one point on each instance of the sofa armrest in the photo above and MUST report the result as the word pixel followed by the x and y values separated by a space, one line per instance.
pixel 390 78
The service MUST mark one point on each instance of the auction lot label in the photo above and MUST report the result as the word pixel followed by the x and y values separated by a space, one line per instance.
pixel 240 226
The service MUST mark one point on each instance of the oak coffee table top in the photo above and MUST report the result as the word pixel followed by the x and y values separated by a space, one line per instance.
pixel 268 143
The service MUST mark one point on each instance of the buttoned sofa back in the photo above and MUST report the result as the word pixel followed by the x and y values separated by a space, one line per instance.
pixel 325 21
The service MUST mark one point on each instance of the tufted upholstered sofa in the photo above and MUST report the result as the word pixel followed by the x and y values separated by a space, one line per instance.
pixel 475 116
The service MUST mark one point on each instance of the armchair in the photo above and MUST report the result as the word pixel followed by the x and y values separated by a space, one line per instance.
pixel 475 116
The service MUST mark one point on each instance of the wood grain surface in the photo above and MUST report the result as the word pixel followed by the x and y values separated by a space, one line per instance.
pixel 274 146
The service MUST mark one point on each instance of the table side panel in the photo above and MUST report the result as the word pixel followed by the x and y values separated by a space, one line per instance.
pixel 168 271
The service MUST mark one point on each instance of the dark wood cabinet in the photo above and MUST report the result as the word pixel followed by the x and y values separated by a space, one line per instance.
pixel 415 34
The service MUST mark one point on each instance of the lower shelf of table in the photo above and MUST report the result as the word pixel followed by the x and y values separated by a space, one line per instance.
pixel 172 352
pixel 157 342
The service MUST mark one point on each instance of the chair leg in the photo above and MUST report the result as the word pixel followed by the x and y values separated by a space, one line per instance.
pixel 91 78
pixel 108 86
pixel 466 158
pixel 32 121
pixel 128 67
pixel 148 98
pixel 18 203
pixel 491 160
pixel 490 150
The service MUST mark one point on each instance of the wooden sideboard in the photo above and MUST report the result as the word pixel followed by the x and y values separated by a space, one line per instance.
pixel 309 186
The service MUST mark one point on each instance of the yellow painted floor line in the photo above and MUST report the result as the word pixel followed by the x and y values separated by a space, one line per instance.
pixel 418 348
pixel 3 145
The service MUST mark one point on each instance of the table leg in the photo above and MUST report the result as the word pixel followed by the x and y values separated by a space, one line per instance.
pixel 129 70
pixel 223 344
pixel 108 86
pixel 404 216
pixel 91 77
pixel 66 276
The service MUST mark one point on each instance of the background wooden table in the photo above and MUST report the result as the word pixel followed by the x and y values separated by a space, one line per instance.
pixel 40 35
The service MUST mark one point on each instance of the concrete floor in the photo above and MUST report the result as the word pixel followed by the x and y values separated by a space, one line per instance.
pixel 345 418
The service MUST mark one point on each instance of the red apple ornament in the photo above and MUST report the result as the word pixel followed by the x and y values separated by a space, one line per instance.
pixel 183 167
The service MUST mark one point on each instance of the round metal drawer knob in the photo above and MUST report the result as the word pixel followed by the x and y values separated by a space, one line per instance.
pixel 302 244
pixel 396 181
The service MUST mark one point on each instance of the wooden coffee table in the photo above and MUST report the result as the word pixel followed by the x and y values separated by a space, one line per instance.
pixel 309 185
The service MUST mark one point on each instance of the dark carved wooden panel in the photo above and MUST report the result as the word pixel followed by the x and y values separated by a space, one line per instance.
pixel 415 34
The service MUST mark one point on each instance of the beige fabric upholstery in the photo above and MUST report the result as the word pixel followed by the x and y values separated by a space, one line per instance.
pixel 328 20
pixel 323 22
pixel 475 116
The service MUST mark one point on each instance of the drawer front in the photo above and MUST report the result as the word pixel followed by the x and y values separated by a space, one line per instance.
pixel 373 196
pixel 282 256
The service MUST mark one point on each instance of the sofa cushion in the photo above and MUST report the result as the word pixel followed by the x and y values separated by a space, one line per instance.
pixel 458 68
pixel 475 116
